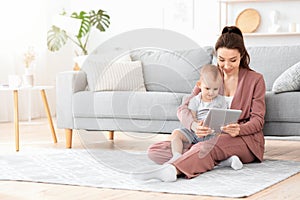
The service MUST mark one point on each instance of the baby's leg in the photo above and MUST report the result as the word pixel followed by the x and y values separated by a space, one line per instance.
pixel 177 139
pixel 234 162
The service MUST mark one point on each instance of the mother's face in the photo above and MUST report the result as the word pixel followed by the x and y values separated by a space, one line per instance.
pixel 229 60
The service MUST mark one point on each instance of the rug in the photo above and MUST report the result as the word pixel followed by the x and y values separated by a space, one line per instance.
pixel 105 167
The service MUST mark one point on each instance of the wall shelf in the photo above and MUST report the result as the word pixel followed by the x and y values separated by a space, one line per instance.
pixel 241 1
pixel 272 34
pixel 223 17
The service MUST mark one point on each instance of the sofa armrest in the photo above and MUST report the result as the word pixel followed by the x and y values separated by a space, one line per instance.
pixel 68 83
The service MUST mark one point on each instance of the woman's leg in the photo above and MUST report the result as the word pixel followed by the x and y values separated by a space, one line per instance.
pixel 161 152
pixel 203 156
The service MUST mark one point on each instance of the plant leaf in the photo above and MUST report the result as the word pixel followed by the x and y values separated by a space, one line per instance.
pixel 100 19
pixel 56 38
pixel 85 23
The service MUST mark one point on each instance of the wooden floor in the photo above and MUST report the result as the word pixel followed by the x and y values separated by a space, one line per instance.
pixel 38 134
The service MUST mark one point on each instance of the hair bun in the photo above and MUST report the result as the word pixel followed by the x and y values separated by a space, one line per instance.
pixel 232 29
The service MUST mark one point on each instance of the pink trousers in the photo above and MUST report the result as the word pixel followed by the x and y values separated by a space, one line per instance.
pixel 203 156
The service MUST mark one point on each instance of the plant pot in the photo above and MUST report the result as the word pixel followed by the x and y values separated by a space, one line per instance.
pixel 28 80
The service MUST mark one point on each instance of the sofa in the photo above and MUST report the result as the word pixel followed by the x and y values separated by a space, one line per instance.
pixel 158 81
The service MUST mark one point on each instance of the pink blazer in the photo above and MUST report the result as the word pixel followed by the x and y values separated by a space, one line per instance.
pixel 250 98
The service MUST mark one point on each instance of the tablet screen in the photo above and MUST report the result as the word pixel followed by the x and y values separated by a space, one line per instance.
pixel 216 118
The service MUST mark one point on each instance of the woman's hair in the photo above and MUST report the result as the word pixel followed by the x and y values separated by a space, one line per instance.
pixel 232 38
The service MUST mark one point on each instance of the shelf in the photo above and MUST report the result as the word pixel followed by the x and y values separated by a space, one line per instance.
pixel 272 34
pixel 241 1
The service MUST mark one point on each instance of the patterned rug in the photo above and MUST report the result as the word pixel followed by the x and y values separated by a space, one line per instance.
pixel 104 165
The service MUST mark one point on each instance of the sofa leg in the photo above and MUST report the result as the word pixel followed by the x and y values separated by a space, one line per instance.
pixel 111 135
pixel 68 137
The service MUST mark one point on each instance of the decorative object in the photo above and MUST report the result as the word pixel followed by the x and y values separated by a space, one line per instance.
pixel 289 80
pixel 29 61
pixel 248 20
pixel 274 17
pixel 101 167
pixel 298 28
pixel 292 27
pixel 29 57
pixel 179 14
pixel 57 37
pixel 28 80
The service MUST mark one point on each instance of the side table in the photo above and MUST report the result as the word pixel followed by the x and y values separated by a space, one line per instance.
pixel 16 108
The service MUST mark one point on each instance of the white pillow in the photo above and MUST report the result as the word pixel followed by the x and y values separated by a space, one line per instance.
pixel 289 80
pixel 121 76
pixel 95 64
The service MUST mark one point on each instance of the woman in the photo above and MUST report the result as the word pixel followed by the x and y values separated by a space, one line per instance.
pixel 245 90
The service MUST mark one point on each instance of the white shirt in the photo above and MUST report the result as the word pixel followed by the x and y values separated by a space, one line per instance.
pixel 228 100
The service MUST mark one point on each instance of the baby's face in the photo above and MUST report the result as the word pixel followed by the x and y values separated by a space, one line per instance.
pixel 209 89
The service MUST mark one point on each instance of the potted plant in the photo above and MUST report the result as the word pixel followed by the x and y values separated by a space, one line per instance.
pixel 58 37
pixel 29 58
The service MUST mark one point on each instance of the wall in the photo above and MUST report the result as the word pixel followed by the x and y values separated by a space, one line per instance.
pixel 197 19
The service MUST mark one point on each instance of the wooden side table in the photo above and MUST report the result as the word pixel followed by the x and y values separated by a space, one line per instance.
pixel 16 109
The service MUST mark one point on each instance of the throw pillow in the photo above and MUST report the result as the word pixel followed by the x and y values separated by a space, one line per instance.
pixel 95 64
pixel 121 76
pixel 289 80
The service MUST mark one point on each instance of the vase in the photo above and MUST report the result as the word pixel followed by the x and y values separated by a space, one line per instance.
pixel 28 78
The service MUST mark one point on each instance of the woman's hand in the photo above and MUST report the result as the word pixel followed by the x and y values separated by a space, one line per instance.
pixel 201 130
pixel 232 129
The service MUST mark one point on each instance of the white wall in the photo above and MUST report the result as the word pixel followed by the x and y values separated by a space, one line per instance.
pixel 26 23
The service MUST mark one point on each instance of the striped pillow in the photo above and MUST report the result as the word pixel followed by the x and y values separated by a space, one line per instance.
pixel 121 76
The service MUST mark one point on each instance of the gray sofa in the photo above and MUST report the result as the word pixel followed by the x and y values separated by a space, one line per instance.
pixel 170 77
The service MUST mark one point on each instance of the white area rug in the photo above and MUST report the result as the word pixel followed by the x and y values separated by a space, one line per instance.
pixel 105 168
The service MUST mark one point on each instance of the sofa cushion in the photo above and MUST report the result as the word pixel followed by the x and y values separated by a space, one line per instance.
pixel 125 104
pixel 172 71
pixel 121 76
pixel 283 107
pixel 289 80
pixel 272 61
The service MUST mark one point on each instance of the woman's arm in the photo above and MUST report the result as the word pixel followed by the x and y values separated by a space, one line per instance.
pixel 257 110
pixel 183 113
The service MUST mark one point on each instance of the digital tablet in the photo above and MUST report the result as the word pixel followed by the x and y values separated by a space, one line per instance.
pixel 216 118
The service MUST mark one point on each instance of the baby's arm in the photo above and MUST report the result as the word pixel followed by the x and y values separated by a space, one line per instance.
pixel 194 114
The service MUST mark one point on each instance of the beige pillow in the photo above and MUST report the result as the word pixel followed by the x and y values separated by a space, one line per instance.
pixel 121 76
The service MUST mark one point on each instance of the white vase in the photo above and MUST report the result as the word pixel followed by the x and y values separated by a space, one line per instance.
pixel 28 78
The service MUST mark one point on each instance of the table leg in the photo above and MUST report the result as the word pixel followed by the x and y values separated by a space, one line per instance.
pixel 48 115
pixel 16 119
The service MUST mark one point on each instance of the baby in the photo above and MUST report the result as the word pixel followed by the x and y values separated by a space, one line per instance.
pixel 209 82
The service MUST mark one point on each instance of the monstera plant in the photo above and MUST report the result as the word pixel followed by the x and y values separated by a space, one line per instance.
pixel 57 37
